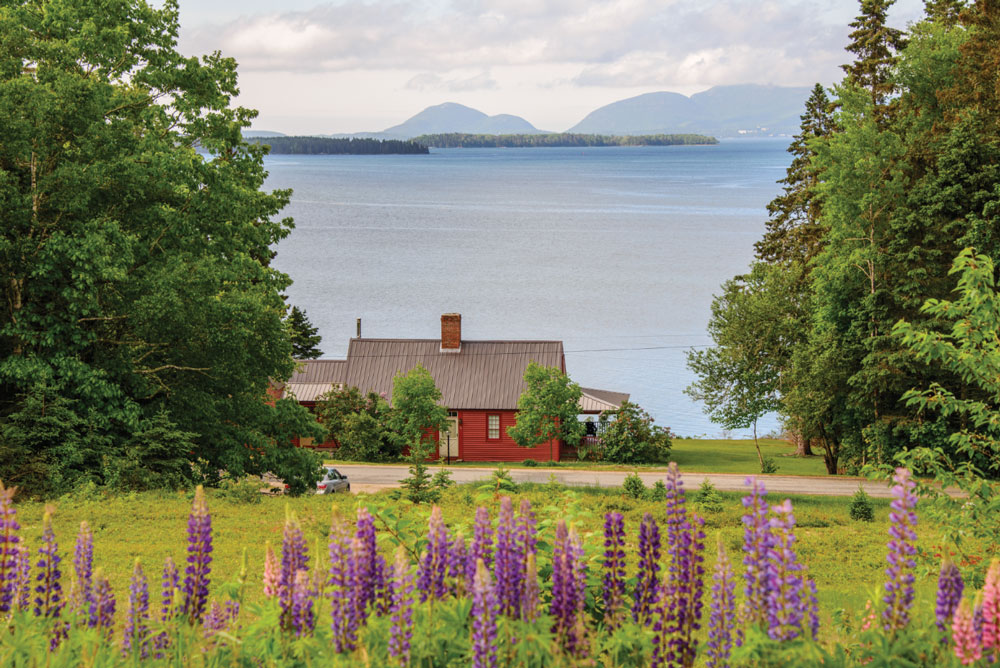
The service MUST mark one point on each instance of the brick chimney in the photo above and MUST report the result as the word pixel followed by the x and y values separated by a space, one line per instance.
pixel 451 332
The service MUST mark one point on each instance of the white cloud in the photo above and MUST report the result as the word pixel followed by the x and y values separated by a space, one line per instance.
pixel 460 84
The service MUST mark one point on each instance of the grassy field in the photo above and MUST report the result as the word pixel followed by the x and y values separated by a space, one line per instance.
pixel 697 456
pixel 846 558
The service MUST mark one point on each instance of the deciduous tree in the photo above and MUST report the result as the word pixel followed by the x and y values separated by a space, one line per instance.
pixel 547 410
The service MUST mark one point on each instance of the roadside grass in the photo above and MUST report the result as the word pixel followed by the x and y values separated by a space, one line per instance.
pixel 846 558
pixel 693 455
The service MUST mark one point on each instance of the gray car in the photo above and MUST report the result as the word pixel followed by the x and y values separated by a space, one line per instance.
pixel 333 481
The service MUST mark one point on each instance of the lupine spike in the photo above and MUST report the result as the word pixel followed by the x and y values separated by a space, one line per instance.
pixel 991 607
pixel 341 583
pixel 401 612
pixel 294 558
pixel 9 552
pixel 482 545
pixel 48 600
pixel 136 634
pixel 506 565
pixel 102 607
pixel 787 602
pixel 484 620
pixel 949 593
pixel 722 617
pixel 434 563
pixel 967 646
pixel 196 578
pixel 23 580
pixel 614 568
pixel 365 533
pixel 532 591
pixel 648 577
pixel 568 590
pixel 303 620
pixel 757 543
pixel 272 572
pixel 83 564
pixel 899 575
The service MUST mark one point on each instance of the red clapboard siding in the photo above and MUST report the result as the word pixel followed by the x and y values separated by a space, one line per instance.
pixel 474 446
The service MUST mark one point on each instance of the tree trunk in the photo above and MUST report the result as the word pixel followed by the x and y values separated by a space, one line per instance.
pixel 760 457
pixel 803 446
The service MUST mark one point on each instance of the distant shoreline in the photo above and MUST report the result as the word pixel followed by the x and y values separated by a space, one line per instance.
pixel 559 140
pixel 338 146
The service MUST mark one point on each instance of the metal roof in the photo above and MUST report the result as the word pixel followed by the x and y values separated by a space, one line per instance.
pixel 596 401
pixel 481 375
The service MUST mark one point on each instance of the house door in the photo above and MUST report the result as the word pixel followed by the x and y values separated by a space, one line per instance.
pixel 448 443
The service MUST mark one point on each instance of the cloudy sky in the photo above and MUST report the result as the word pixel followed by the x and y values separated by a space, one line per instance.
pixel 360 65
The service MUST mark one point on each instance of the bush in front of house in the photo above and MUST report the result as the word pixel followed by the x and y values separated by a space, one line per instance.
pixel 631 437
pixel 360 425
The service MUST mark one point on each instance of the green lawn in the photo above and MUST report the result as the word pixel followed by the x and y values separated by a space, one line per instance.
pixel 694 456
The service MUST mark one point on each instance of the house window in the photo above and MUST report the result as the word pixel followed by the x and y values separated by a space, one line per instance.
pixel 492 426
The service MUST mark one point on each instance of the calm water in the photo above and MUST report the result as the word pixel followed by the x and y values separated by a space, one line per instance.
pixel 616 251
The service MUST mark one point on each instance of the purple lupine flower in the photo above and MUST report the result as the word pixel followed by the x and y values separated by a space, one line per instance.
pixel 531 591
pixel 136 635
pixel 383 595
pixel 899 575
pixel 722 616
pixel 434 563
pixel 614 568
pixel 102 608
pixel 458 559
pixel 402 610
pixel 9 540
pixel 168 595
pixel 342 586
pixel 787 602
pixel 949 593
pixel 568 589
pixel 648 577
pixel 527 529
pixel 679 606
pixel 303 619
pixel 482 546
pixel 48 600
pixel 199 559
pixel 484 620
pixel 507 561
pixel 82 596
pixel 272 572
pixel 757 543
pixel 22 583
pixel 813 609
pixel 991 607
pixel 365 533
pixel 216 620
pixel 294 558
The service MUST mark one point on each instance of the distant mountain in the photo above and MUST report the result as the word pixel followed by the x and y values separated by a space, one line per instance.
pixel 453 117
pixel 722 111
pixel 249 134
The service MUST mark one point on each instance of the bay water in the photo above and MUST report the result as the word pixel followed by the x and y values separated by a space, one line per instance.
pixel 615 251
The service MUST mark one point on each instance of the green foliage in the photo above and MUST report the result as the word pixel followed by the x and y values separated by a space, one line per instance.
pixel 416 414
pixel 339 146
pixel 359 425
pixel 419 486
pixel 708 498
pixel 861 506
pixel 547 409
pixel 156 457
pixel 531 463
pixel 658 492
pixel 632 438
pixel 305 337
pixel 136 275
pixel 500 483
pixel 463 140
pixel 245 490
pixel 965 340
pixel 442 479
pixel 768 466
pixel 633 486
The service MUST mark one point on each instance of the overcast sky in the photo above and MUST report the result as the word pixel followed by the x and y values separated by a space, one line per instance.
pixel 360 65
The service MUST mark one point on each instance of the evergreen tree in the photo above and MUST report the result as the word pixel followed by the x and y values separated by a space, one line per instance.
pixel 944 11
pixel 305 337
pixel 793 227
pixel 876 47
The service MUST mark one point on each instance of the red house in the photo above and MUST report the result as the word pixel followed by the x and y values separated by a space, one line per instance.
pixel 480 383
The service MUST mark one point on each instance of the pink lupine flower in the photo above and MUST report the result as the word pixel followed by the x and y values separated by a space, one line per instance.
pixel 272 575
pixel 963 633
pixel 991 607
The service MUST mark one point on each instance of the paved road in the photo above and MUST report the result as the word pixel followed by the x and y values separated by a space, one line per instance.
pixel 366 478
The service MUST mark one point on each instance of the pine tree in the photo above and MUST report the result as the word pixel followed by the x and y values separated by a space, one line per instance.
pixel 305 337
pixel 944 11
pixel 876 46
pixel 793 230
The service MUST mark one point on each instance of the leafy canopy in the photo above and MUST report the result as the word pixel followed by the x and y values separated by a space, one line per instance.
pixel 547 409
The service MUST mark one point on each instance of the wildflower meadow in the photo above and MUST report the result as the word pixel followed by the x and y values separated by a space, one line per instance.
pixel 509 594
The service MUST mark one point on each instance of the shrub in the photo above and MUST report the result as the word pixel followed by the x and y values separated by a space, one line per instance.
pixel 442 479
pixel 658 492
pixel 633 486
pixel 632 438
pixel 530 462
pixel 708 497
pixel 861 506
pixel 768 466
pixel 246 489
